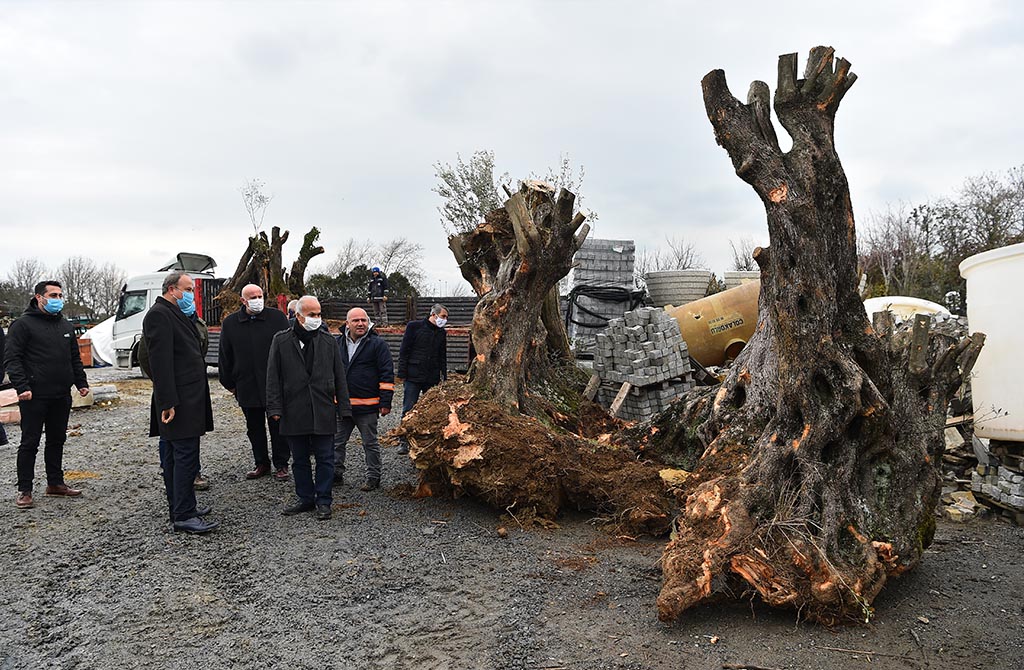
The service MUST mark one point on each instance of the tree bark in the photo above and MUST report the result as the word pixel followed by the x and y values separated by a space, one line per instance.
pixel 817 479
pixel 309 250
pixel 513 261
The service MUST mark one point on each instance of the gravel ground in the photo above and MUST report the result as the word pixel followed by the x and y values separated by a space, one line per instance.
pixel 393 582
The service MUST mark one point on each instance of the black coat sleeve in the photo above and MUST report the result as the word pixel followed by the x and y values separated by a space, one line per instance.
pixel 77 369
pixel 14 358
pixel 275 402
pixel 340 384
pixel 406 349
pixel 158 330
pixel 2 368
pixel 226 357
pixel 443 354
pixel 385 373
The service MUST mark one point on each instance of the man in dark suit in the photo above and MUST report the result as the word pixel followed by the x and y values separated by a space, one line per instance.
pixel 245 339
pixel 181 411
pixel 306 390
pixel 423 359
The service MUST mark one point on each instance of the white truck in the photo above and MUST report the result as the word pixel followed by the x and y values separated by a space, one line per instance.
pixel 138 294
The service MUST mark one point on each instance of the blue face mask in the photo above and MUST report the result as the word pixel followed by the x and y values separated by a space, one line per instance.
pixel 187 302
pixel 53 305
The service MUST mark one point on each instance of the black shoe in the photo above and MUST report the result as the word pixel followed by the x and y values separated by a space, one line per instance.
pixel 195 525
pixel 403 448
pixel 338 482
pixel 203 510
pixel 323 512
pixel 370 485
pixel 298 509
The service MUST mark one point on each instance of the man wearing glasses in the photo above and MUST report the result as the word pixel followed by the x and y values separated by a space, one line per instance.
pixel 181 411
pixel 43 362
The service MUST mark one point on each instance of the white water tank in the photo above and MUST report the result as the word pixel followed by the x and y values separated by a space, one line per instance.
pixel 677 287
pixel 995 308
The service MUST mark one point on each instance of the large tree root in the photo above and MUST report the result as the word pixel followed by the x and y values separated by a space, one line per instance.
pixel 464 445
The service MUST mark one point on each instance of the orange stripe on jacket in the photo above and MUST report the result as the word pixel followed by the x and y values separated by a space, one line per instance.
pixel 364 401
pixel 387 386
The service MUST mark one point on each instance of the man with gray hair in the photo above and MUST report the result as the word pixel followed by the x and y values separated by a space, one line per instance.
pixel 180 411
pixel 423 359
pixel 306 391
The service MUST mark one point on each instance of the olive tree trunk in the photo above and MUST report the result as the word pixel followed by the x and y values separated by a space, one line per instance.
pixel 817 479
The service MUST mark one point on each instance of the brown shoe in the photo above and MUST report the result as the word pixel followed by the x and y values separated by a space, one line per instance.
pixel 260 471
pixel 62 490
pixel 200 483
pixel 24 500
pixel 281 474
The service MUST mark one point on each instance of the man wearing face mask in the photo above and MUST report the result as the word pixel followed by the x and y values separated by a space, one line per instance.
pixel 43 362
pixel 423 359
pixel 307 392
pixel 245 339
pixel 180 411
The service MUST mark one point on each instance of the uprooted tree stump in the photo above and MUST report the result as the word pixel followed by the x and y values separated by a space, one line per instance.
pixel 817 478
pixel 261 264
pixel 517 434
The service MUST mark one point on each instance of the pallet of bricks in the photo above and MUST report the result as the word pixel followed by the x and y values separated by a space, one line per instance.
pixel 605 267
pixel 1000 483
pixel 642 363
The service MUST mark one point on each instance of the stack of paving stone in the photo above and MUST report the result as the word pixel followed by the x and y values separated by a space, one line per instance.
pixel 1000 484
pixel 605 263
pixel 603 289
pixel 646 349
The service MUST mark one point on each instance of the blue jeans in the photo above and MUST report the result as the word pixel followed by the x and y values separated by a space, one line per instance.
pixel 321 448
pixel 180 462
pixel 411 392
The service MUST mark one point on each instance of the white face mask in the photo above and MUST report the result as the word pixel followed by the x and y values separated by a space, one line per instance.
pixel 439 322
pixel 311 323
pixel 255 305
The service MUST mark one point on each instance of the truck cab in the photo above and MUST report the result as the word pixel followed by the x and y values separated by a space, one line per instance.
pixel 140 292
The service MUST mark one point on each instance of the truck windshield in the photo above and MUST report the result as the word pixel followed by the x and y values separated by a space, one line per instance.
pixel 132 302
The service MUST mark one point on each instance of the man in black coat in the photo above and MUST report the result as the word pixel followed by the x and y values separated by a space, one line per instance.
pixel 423 359
pixel 245 339
pixel 306 390
pixel 43 361
pixel 180 411
pixel 377 295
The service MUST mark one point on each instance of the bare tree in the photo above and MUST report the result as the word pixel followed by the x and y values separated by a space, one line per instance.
pixel 25 274
pixel 743 254
pixel 79 275
pixel 352 253
pixel 109 281
pixel 403 255
pixel 256 202
pixel 677 254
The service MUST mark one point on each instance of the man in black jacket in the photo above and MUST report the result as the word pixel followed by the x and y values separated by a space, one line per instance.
pixel 377 295
pixel 180 412
pixel 245 339
pixel 423 359
pixel 43 361
pixel 370 375
pixel 306 390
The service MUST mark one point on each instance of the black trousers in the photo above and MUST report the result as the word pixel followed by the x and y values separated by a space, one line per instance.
pixel 38 414
pixel 256 425
pixel 181 465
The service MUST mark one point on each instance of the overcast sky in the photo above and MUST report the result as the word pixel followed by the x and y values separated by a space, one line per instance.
pixel 127 128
